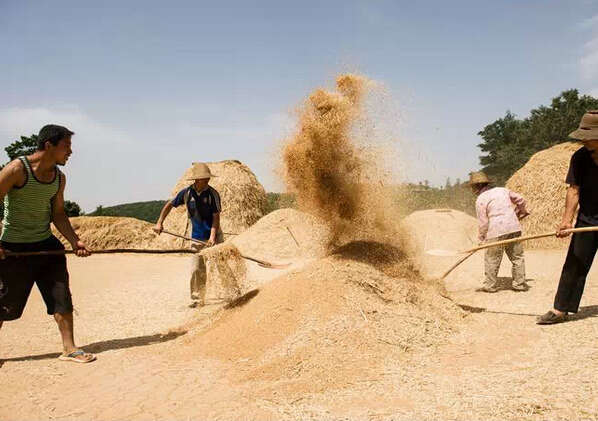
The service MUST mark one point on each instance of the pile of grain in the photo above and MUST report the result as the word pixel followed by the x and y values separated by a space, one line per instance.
pixel 106 232
pixel 337 319
pixel 243 198
pixel 542 183
pixel 285 235
pixel 445 229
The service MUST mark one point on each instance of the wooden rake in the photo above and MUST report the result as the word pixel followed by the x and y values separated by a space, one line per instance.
pixel 260 262
pixel 468 253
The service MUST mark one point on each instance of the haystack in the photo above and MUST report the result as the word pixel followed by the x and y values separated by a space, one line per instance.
pixel 445 229
pixel 542 183
pixel 285 235
pixel 104 232
pixel 243 198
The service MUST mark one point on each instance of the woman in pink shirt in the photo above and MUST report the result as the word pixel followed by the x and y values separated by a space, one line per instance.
pixel 499 211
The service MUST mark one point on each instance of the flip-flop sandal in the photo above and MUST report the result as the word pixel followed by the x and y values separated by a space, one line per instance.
pixel 551 318
pixel 73 357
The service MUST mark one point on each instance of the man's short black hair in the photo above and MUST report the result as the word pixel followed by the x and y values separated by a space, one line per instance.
pixel 52 133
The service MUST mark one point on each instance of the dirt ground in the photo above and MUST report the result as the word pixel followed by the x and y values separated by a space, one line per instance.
pixel 131 312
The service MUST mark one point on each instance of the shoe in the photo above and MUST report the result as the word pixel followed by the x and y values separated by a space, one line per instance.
pixel 551 318
pixel 195 304
pixel 487 289
pixel 520 287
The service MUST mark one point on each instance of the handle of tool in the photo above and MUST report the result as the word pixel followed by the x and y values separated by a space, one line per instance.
pixel 253 259
pixel 106 251
pixel 174 234
pixel 531 237
pixel 453 267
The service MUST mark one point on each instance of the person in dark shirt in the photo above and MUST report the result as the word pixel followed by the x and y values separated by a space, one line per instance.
pixel 202 202
pixel 583 192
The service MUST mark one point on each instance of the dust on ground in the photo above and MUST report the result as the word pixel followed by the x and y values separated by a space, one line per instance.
pixel 498 365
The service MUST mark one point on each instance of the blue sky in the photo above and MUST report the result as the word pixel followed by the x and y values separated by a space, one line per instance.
pixel 150 86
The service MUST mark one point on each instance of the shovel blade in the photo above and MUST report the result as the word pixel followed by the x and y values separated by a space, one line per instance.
pixel 442 253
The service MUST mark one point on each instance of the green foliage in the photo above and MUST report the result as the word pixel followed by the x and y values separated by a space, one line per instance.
pixel 279 201
pixel 71 208
pixel 413 197
pixel 25 146
pixel 146 211
pixel 508 143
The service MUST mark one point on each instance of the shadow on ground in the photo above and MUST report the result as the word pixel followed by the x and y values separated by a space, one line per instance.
pixel 242 300
pixel 112 344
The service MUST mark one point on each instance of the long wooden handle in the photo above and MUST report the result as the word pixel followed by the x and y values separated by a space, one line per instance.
pixel 253 259
pixel 470 252
pixel 530 237
pixel 174 234
pixel 106 251
pixel 453 267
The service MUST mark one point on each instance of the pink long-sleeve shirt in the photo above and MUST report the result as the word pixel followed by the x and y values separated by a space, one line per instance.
pixel 497 209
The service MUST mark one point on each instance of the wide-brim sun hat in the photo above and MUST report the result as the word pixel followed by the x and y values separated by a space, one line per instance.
pixel 588 127
pixel 199 171
pixel 478 177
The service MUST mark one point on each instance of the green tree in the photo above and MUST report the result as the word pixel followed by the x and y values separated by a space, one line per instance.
pixel 508 142
pixel 71 208
pixel 25 146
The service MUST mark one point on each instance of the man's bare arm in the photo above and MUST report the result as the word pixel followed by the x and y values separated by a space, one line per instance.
pixel 214 230
pixel 62 222
pixel 163 214
pixel 571 203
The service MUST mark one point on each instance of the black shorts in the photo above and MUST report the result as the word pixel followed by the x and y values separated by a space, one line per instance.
pixel 18 274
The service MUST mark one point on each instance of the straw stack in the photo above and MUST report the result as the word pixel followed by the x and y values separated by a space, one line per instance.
pixel 542 183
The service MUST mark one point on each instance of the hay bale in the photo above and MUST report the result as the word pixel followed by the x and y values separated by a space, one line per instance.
pixel 104 232
pixel 542 183
pixel 445 229
pixel 243 198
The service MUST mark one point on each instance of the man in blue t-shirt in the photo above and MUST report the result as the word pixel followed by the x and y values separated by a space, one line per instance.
pixel 203 207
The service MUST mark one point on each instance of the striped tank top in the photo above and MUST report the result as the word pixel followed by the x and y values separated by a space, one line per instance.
pixel 28 209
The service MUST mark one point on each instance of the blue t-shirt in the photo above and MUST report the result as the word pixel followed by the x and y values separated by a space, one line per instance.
pixel 201 208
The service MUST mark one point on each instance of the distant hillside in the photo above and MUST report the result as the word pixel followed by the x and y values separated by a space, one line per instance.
pixel 146 211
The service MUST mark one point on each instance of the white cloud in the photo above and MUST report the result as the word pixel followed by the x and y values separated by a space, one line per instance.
pixel 112 165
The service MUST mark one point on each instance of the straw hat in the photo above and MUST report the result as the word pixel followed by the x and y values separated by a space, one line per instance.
pixel 478 177
pixel 199 171
pixel 588 127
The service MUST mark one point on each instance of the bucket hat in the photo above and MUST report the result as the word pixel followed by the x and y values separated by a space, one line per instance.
pixel 198 171
pixel 588 127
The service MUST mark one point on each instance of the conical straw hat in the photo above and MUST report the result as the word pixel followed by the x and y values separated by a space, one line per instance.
pixel 478 177
pixel 199 171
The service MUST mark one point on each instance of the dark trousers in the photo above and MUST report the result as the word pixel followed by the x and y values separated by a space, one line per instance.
pixel 579 260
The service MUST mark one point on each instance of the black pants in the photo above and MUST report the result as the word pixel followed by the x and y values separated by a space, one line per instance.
pixel 18 274
pixel 579 260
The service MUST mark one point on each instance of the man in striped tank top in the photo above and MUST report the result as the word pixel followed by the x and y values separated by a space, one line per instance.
pixel 32 188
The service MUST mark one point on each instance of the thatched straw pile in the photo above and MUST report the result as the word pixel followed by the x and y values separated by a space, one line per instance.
pixel 243 198
pixel 103 232
pixel 542 182
pixel 445 229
